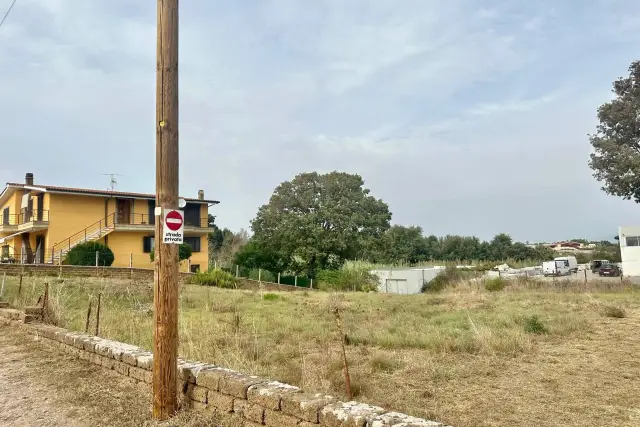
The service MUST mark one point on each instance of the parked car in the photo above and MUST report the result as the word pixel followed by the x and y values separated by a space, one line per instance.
pixel 595 264
pixel 610 270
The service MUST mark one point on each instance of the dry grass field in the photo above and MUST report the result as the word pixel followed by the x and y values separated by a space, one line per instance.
pixel 533 354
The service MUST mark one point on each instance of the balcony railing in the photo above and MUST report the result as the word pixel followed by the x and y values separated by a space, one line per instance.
pixel 144 219
pixel 24 217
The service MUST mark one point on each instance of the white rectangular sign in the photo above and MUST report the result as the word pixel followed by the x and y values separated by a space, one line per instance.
pixel 173 228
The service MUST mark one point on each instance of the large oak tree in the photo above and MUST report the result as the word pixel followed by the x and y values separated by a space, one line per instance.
pixel 616 157
pixel 317 221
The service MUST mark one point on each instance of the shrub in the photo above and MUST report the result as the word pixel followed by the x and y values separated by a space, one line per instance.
pixel 495 284
pixel 451 274
pixel 217 278
pixel 533 325
pixel 616 312
pixel 348 279
pixel 184 252
pixel 270 297
pixel 85 254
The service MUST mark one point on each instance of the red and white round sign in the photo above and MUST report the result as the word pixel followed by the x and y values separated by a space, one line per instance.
pixel 173 220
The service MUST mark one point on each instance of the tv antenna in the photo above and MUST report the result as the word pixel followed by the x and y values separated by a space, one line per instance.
pixel 112 180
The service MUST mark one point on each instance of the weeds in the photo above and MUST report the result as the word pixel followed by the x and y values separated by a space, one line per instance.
pixel 270 297
pixel 448 277
pixel 381 362
pixel 533 325
pixel 217 278
pixel 495 284
pixel 614 311
pixel 392 342
pixel 348 279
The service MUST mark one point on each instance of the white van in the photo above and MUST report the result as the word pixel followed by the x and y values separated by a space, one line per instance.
pixel 573 262
pixel 556 268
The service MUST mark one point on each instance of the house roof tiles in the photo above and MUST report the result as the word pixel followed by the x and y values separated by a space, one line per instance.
pixel 106 193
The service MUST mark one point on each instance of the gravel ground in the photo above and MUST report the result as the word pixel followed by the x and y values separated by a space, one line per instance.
pixel 42 387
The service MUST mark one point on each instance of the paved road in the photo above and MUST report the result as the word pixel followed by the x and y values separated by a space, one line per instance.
pixel 41 387
pixel 590 277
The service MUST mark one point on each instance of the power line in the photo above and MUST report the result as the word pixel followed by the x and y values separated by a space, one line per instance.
pixel 7 14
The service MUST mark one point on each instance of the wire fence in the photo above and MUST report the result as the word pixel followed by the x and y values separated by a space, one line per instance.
pixel 197 262
pixel 262 275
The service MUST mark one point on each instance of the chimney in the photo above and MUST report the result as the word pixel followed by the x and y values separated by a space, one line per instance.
pixel 200 194
pixel 28 178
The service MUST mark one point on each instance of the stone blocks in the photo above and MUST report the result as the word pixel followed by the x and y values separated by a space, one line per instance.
pixel 270 394
pixel 349 414
pixel 305 406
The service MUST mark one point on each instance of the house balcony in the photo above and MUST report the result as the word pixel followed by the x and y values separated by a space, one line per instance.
pixel 26 221
pixel 143 222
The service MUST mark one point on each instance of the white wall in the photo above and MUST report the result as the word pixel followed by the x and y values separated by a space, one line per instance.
pixel 630 254
pixel 405 281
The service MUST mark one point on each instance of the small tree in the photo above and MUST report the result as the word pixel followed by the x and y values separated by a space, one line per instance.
pixel 85 254
pixel 184 252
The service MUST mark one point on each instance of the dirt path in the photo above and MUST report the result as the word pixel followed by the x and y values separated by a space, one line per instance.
pixel 42 387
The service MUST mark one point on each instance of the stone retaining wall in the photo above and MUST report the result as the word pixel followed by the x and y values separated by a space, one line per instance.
pixel 237 399
pixel 80 271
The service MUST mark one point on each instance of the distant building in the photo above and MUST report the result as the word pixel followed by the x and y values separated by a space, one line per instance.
pixel 569 246
pixel 629 238
pixel 40 224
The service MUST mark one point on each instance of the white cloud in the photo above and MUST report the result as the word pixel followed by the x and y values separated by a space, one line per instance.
pixel 448 109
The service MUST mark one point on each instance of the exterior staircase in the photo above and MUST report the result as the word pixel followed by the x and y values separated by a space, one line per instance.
pixel 95 231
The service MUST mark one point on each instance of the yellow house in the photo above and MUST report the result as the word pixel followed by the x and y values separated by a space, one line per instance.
pixel 41 223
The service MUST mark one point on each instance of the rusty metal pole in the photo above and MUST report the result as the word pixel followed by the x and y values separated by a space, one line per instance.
pixel 165 290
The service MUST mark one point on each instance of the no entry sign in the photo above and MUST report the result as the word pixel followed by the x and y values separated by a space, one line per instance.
pixel 173 230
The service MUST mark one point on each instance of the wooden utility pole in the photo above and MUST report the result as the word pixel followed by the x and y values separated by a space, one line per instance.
pixel 165 290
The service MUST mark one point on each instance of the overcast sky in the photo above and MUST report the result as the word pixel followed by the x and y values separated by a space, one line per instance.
pixel 465 116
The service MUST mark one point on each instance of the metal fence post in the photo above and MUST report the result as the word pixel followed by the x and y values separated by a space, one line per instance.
pixel 278 278
pixel 259 275
pixel 295 280
pixel 237 271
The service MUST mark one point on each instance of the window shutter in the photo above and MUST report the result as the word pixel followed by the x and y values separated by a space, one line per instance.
pixel 194 242
pixel 151 212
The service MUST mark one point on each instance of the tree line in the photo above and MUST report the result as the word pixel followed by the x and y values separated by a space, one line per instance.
pixel 407 244
pixel 318 221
